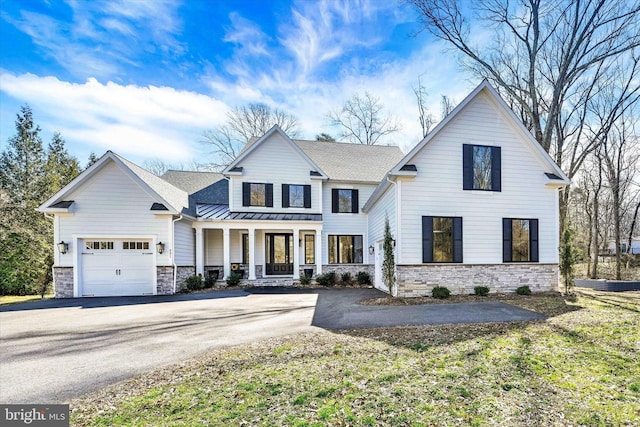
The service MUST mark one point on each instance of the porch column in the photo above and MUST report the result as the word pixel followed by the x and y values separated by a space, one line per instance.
pixel 296 253
pixel 252 254
pixel 199 251
pixel 226 252
pixel 318 254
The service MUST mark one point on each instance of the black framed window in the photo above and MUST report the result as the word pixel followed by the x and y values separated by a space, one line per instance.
pixel 296 196
pixel 481 167
pixel 344 200
pixel 245 249
pixel 441 239
pixel 257 194
pixel 309 249
pixel 520 240
pixel 345 249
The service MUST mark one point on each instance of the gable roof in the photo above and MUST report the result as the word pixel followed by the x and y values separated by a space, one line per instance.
pixel 191 181
pixel 173 198
pixel 251 146
pixel 559 179
pixel 352 162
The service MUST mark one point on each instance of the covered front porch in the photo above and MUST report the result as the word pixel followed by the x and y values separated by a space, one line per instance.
pixel 258 249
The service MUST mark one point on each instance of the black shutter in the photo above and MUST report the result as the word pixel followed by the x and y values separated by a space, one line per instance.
pixel 427 239
pixel 533 239
pixel 246 194
pixel 467 167
pixel 496 169
pixel 335 200
pixel 268 196
pixel 355 207
pixel 457 239
pixel 506 240
pixel 307 196
pixel 285 195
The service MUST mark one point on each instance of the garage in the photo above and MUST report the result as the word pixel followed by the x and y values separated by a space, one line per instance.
pixel 117 267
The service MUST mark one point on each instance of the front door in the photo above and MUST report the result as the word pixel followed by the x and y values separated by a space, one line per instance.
pixel 279 254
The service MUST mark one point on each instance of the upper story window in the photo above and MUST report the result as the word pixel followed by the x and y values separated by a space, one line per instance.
pixel 257 194
pixel 296 196
pixel 519 240
pixel 481 168
pixel 441 239
pixel 344 201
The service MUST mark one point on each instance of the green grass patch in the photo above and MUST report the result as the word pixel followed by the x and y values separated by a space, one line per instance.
pixel 18 299
pixel 579 367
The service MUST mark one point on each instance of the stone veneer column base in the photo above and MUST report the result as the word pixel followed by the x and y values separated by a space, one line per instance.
pixel 419 280
pixel 354 269
pixel 63 282
pixel 164 284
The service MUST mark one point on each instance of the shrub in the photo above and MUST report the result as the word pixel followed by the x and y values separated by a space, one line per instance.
pixel 441 292
pixel 483 291
pixel 523 290
pixel 209 281
pixel 346 278
pixel 305 280
pixel 326 279
pixel 233 279
pixel 363 278
pixel 195 283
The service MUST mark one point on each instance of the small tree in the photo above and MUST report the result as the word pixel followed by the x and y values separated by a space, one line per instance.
pixel 388 263
pixel 567 259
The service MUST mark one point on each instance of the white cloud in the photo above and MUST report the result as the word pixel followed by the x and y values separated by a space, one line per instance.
pixel 141 122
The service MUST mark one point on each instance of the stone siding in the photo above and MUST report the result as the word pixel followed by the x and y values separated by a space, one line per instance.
pixel 354 269
pixel 63 282
pixel 184 272
pixel 419 280
pixel 164 283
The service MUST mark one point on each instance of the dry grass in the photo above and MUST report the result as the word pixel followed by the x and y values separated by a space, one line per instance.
pixel 18 299
pixel 577 368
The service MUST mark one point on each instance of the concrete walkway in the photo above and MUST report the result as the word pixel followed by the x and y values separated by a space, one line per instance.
pixel 52 351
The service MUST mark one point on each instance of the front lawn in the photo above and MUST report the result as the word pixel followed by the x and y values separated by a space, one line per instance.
pixel 579 367
pixel 17 299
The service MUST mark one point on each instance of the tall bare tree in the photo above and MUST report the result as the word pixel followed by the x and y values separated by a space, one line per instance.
pixel 243 123
pixel 446 106
pixel 425 117
pixel 363 120
pixel 543 57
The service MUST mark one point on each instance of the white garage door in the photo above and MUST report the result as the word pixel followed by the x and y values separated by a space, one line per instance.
pixel 117 267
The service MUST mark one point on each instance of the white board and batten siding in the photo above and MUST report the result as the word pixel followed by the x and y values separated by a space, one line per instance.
pixel 275 162
pixel 437 189
pixel 344 223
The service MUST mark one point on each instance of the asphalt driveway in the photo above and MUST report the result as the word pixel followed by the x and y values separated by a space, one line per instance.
pixel 52 351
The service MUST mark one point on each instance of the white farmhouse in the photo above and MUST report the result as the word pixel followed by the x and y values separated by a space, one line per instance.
pixel 474 203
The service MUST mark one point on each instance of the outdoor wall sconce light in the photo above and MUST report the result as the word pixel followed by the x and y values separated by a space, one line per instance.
pixel 160 247
pixel 393 242
pixel 371 250
pixel 63 247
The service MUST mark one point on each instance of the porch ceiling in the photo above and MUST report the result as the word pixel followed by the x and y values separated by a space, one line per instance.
pixel 221 212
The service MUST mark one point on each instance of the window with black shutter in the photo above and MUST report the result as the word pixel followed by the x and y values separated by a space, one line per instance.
pixel 481 167
pixel 441 239
pixel 257 194
pixel 520 240
pixel 344 201
pixel 296 196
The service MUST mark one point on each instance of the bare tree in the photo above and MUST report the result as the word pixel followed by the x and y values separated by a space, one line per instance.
pixel 158 166
pixel 324 137
pixel 425 117
pixel 446 106
pixel 245 122
pixel 545 58
pixel 363 120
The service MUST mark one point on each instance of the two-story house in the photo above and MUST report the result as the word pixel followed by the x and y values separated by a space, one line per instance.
pixel 474 203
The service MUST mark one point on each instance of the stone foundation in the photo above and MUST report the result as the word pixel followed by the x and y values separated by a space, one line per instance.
pixel 183 273
pixel 419 280
pixel 63 282
pixel 164 280
pixel 354 269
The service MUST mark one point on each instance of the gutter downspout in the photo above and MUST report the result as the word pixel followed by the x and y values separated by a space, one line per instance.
pixel 52 218
pixel 173 252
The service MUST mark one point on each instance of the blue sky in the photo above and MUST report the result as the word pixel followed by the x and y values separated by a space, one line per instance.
pixel 147 78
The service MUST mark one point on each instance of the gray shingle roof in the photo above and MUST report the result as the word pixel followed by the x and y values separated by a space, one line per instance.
pixel 191 181
pixel 352 162
pixel 177 198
